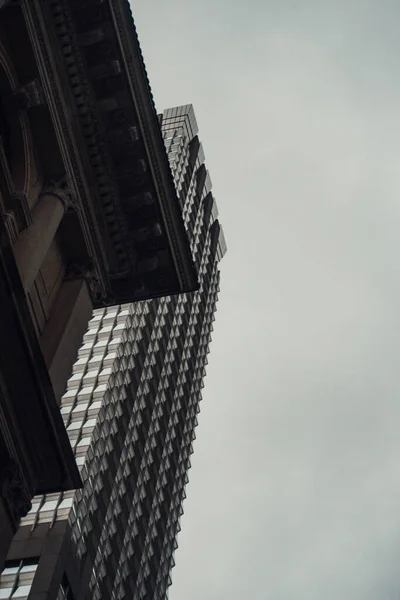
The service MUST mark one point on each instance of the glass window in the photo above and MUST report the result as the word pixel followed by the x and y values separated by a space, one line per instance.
pixel 80 363
pixel 28 569
pixel 100 389
pixel 105 373
pixel 85 349
pixel 67 502
pixel 86 391
pixel 92 374
pixel 49 505
pixel 105 330
pixel 10 571
pixel 34 509
pixel 97 358
pixel 75 425
pixel 110 357
pixel 84 442
pixel 100 344
pixel 16 579
pixel 22 591
pixel 81 407
pixel 76 377
pixel 96 317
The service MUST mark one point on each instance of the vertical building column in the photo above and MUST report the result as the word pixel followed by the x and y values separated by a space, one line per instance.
pixel 33 242
pixel 64 332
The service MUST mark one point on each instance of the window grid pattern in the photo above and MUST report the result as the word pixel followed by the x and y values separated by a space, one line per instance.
pixel 16 578
pixel 65 592
pixel 131 406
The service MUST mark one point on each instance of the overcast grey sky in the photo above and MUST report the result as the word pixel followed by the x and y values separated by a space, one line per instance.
pixel 294 492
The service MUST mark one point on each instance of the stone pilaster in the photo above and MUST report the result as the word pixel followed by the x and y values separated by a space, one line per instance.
pixel 34 242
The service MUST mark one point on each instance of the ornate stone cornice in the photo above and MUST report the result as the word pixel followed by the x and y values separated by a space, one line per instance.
pixel 104 96
pixel 61 116
pixel 62 189
pixel 144 104
pixel 30 95
pixel 87 109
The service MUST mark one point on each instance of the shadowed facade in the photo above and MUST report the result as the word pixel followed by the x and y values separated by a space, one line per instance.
pixel 89 218
pixel 130 410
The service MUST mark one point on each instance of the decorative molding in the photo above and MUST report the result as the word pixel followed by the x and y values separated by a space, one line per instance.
pixel 30 95
pixel 103 212
pixel 94 286
pixel 86 109
pixel 80 270
pixel 62 189
pixel 121 12
pixel 61 118
pixel 85 270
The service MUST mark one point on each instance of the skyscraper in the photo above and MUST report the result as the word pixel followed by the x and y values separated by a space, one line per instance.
pixel 82 164
pixel 131 411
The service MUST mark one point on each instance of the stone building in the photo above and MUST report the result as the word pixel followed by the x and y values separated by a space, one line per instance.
pixel 130 410
pixel 89 218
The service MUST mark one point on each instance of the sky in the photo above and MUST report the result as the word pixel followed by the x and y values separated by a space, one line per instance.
pixel 294 491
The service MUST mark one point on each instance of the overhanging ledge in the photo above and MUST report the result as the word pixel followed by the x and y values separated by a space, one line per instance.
pixel 33 430
pixel 117 136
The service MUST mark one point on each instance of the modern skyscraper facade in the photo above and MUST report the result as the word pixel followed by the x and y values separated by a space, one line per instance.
pixel 89 218
pixel 131 411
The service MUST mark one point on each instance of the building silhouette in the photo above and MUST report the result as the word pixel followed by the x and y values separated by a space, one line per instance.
pixel 89 218
pixel 130 410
